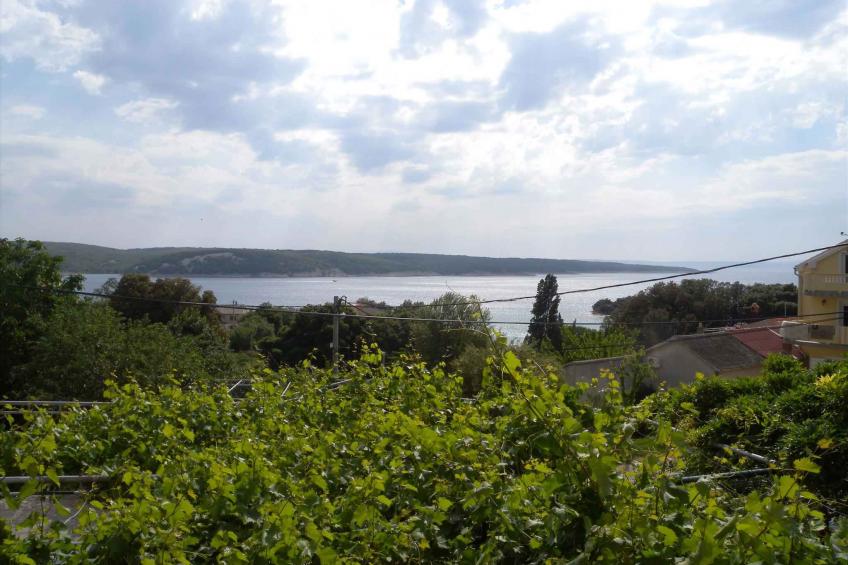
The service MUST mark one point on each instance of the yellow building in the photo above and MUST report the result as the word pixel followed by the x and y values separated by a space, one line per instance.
pixel 823 303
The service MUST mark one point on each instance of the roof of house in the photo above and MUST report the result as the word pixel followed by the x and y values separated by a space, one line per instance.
pixel 618 360
pixel 812 261
pixel 722 351
pixel 231 309
pixel 764 341
pixel 768 322
pixel 369 309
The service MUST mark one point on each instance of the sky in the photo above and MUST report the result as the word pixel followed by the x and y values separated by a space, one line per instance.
pixel 660 131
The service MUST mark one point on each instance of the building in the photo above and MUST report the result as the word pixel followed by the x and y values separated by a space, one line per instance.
pixel 823 305
pixel 231 314
pixel 731 353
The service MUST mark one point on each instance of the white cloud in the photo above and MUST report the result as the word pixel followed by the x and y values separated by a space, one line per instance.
pixel 91 82
pixel 146 110
pixel 689 118
pixel 805 115
pixel 28 111
pixel 53 44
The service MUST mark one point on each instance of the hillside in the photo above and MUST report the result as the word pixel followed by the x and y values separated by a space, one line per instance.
pixel 81 258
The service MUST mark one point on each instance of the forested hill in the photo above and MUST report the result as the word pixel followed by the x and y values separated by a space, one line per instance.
pixel 80 258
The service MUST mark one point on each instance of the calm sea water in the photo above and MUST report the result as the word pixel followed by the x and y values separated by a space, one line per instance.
pixel 394 290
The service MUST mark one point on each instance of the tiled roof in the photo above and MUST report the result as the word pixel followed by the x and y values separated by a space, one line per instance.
pixel 771 322
pixel 762 340
pixel 721 350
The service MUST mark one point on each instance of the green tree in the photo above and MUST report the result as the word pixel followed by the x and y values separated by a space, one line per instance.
pixel 312 335
pixel 669 308
pixel 31 286
pixel 546 321
pixel 252 329
pixel 84 343
pixel 445 341
pixel 136 296
pixel 580 343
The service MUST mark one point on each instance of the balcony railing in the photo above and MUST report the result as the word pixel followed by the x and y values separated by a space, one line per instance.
pixel 826 332
pixel 817 278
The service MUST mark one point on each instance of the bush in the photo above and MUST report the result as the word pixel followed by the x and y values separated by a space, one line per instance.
pixel 395 466
pixel 788 413
pixel 86 343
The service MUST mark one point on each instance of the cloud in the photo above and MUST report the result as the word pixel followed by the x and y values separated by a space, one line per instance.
pixel 204 61
pixel 415 175
pixel 28 111
pixel 372 151
pixel 80 193
pixel 92 83
pixel 52 43
pixel 145 110
pixel 437 118
pixel 430 22
pixel 545 65
pixel 786 18
pixel 807 114
pixel 455 116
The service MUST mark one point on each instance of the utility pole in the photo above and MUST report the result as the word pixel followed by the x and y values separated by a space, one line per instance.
pixel 336 314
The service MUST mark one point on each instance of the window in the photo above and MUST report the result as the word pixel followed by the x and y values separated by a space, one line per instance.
pixel 845 316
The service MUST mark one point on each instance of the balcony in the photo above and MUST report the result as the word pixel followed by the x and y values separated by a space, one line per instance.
pixel 825 333
pixel 815 284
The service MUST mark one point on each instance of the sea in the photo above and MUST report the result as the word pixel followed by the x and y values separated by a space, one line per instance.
pixel 508 317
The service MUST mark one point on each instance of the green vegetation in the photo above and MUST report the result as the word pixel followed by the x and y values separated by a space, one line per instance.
pixel 397 466
pixel 287 338
pixel 786 414
pixel 546 322
pixel 675 308
pixel 431 442
pixel 58 346
pixel 24 267
pixel 260 262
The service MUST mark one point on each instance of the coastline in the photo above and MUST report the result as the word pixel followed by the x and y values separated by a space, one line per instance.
pixel 399 274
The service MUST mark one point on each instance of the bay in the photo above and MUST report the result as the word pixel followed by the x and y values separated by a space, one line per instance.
pixel 296 291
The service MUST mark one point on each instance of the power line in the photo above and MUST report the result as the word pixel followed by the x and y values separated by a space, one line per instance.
pixel 495 300
pixel 643 281
pixel 161 300
pixel 292 310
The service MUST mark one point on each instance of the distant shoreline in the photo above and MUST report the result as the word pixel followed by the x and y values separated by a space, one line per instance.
pixel 360 276
pixel 269 263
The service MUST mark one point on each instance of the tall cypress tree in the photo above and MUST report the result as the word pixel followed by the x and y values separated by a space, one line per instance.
pixel 546 321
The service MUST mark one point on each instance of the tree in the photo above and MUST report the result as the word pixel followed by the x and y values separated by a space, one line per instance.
pixel 31 285
pixel 251 330
pixel 546 321
pixel 85 342
pixel 135 296
pixel 442 341
pixel 677 308
pixel 313 335
pixel 579 343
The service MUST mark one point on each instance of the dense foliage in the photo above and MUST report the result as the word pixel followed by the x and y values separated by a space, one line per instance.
pixel 580 343
pixel 671 308
pixel 262 262
pixel 56 345
pixel 25 267
pixel 787 413
pixel 86 343
pixel 136 296
pixel 395 465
